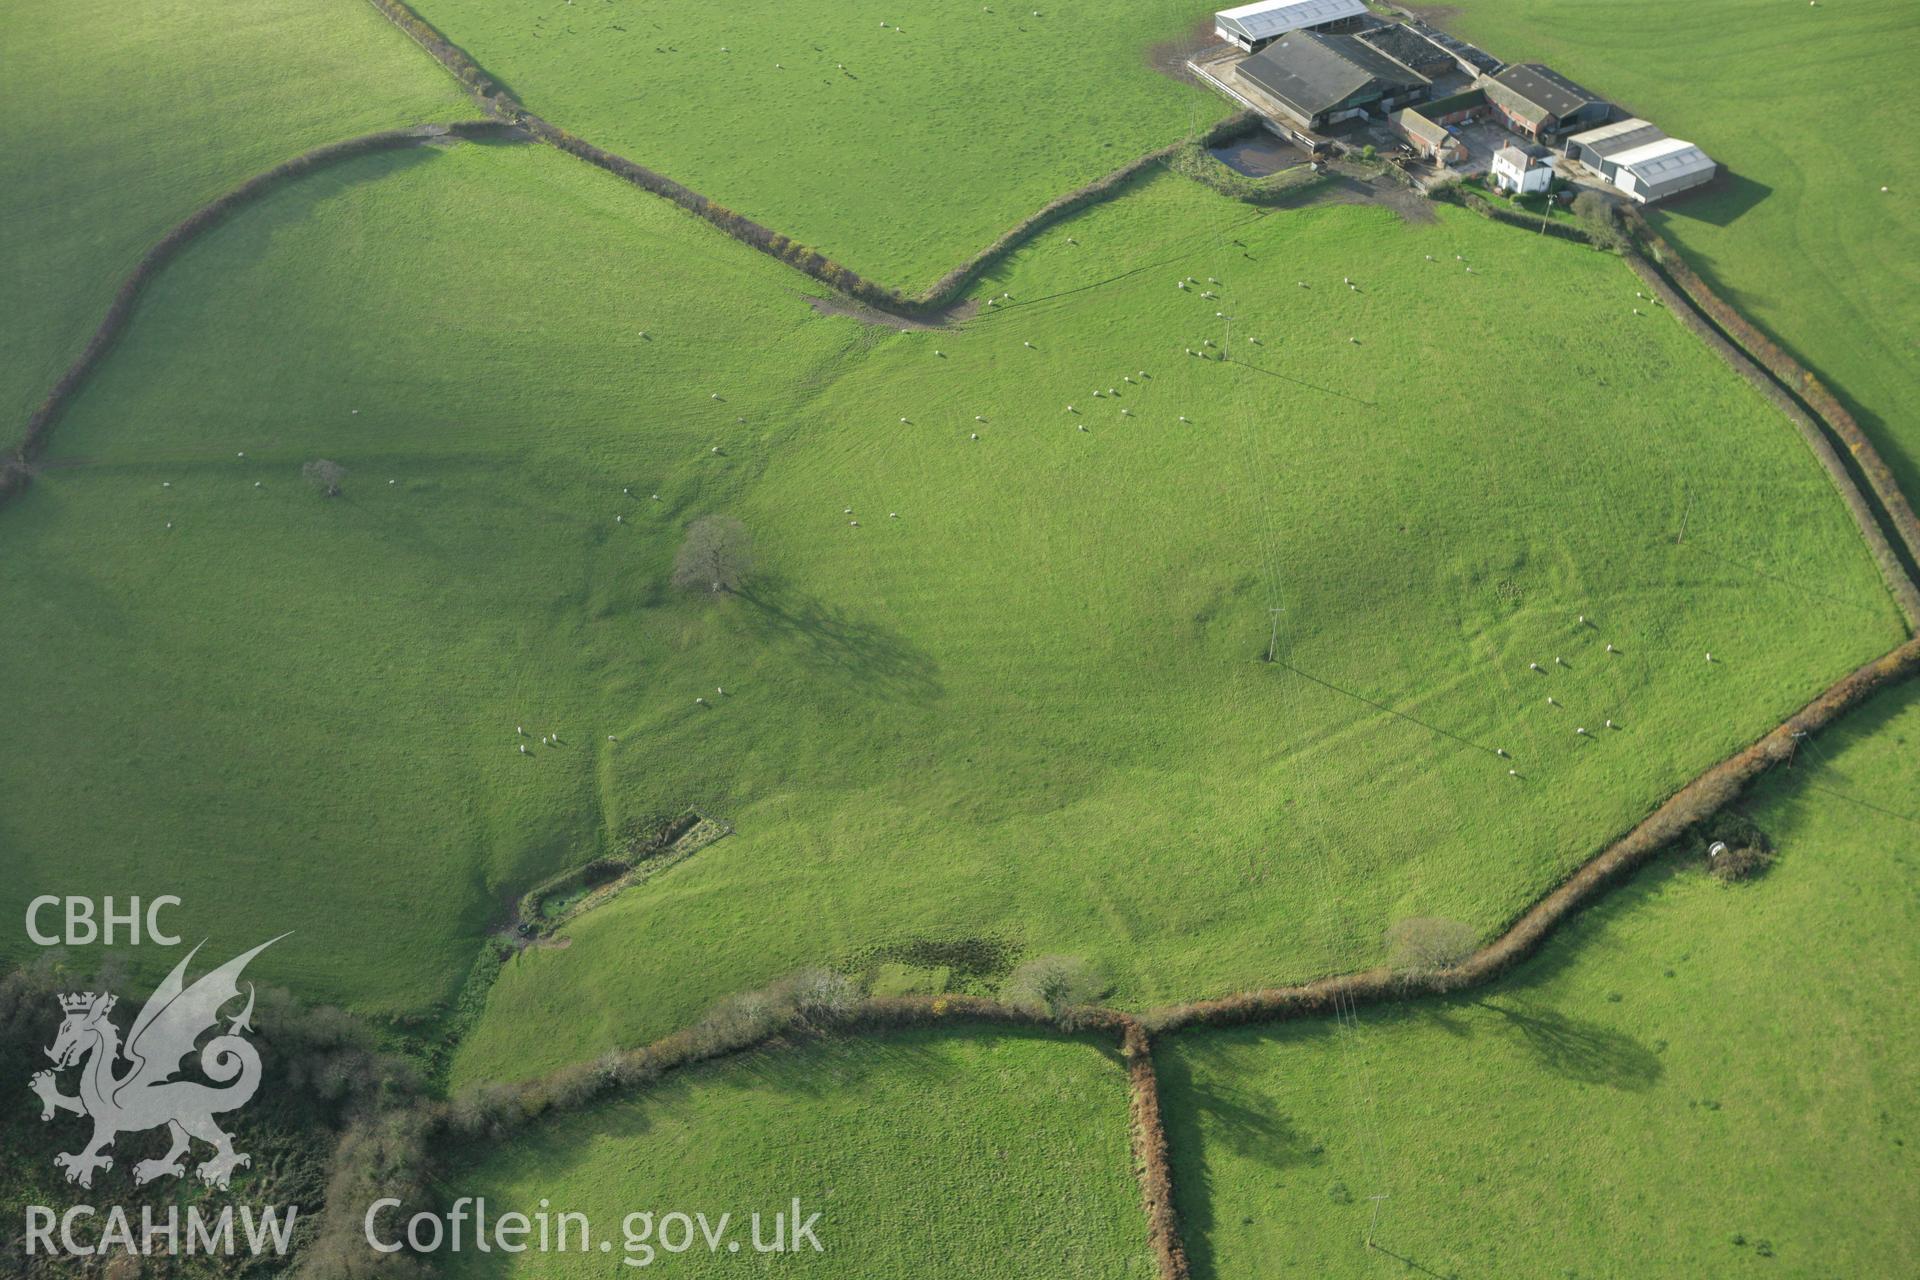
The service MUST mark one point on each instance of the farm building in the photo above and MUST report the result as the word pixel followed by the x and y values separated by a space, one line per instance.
pixel 1255 26
pixel 1429 138
pixel 1409 48
pixel 1523 171
pixel 1321 79
pixel 1656 170
pixel 1539 102
pixel 1596 147
pixel 1641 160
pixel 1456 108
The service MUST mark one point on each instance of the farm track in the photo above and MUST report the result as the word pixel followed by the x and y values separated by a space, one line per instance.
pixel 1700 798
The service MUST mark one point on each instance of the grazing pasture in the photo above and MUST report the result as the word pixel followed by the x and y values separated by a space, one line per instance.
pixel 1801 237
pixel 1013 701
pixel 898 139
pixel 1692 1079
pixel 951 1151
pixel 122 119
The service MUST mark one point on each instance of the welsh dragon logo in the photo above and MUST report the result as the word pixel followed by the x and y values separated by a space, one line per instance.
pixel 145 1095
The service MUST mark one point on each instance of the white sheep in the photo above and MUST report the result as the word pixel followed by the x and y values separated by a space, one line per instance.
pixel 524 751
pixel 1536 666
pixel 256 484
pixel 1027 345
pixel 1611 725
pixel 1185 418
pixel 1552 701
pixel 978 418
pixel 1501 752
pixel 1513 773
pixel 1583 733
pixel 974 436
pixel 1610 648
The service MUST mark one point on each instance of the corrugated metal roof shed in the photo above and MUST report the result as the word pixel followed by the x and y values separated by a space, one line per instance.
pixel 1662 162
pixel 1269 18
pixel 1609 140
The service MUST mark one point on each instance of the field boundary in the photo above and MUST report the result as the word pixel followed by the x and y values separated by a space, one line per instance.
pixel 15 468
pixel 1899 582
pixel 1793 378
pixel 410 1145
pixel 1700 799
pixel 929 304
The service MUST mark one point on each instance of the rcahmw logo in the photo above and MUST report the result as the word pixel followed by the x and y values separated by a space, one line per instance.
pixel 130 1086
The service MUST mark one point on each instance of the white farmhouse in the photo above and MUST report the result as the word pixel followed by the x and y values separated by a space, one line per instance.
pixel 1522 171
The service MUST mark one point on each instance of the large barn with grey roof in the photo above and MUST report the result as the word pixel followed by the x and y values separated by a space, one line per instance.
pixel 1539 102
pixel 1322 79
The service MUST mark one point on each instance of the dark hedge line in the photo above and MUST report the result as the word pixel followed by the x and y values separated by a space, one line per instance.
pixel 407 1153
pixel 1791 373
pixel 1900 585
pixel 487 91
pixel 938 296
pixel 14 470
pixel 1693 804
pixel 947 289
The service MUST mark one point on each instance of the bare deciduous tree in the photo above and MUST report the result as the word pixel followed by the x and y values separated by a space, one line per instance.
pixel 716 556
pixel 325 476
pixel 1427 944
pixel 1055 984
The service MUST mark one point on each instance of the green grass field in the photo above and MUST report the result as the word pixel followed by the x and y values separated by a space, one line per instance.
pixel 1802 240
pixel 1030 708
pixel 898 139
pixel 948 1150
pixel 121 120
pixel 1688 1071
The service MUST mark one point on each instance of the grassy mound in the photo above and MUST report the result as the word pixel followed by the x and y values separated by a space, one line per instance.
pixel 1020 704
pixel 123 119
pixel 1694 1079
pixel 954 1150
pixel 898 140
pixel 1801 237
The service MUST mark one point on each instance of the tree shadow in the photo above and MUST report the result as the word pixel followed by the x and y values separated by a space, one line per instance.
pixel 1581 1050
pixel 832 643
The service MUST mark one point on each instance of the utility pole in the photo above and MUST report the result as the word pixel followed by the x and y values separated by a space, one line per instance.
pixel 1273 639
pixel 1799 735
